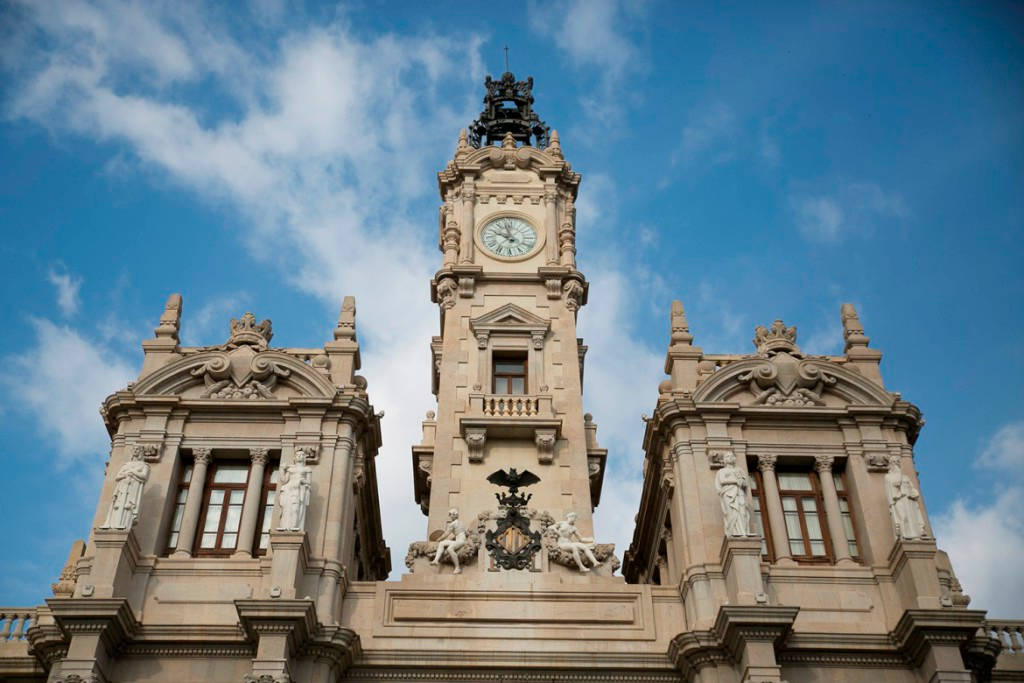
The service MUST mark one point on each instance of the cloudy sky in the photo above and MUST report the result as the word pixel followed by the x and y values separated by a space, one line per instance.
pixel 772 160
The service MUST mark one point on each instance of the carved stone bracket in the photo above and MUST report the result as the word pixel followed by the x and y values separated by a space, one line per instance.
pixel 312 452
pixel 545 440
pixel 877 460
pixel 466 287
pixel 149 452
pixel 476 438
pixel 554 286
pixel 716 459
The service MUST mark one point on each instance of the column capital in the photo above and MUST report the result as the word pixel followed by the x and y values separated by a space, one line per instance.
pixel 823 463
pixel 766 463
pixel 259 455
pixel 202 455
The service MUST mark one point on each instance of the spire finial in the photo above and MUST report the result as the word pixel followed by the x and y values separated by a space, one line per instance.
pixel 346 328
pixel 170 320
pixel 680 327
pixel 853 331
pixel 462 146
pixel 506 59
pixel 554 146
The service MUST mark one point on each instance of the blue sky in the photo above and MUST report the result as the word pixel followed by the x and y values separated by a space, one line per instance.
pixel 752 160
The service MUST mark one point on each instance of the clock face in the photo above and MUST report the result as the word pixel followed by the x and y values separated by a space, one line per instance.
pixel 508 236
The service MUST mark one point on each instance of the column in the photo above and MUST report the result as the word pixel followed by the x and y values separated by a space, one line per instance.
pixel 334 527
pixel 823 464
pixel 251 506
pixel 776 520
pixel 468 224
pixel 551 226
pixel 193 502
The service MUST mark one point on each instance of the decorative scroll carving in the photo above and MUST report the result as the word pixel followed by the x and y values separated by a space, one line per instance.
pixel 476 438
pixel 127 498
pixel 241 373
pixel 554 286
pixel 446 289
pixel 784 378
pixel 572 290
pixel 545 441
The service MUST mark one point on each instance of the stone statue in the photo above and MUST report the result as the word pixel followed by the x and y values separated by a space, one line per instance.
pixel 569 539
pixel 124 505
pixel 453 538
pixel 731 484
pixel 904 502
pixel 293 493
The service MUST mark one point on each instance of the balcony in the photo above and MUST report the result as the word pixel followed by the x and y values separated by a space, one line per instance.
pixel 510 416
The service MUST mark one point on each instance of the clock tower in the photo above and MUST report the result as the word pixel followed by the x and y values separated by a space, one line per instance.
pixel 507 364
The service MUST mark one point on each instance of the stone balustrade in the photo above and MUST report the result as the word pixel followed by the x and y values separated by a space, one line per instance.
pixel 1010 633
pixel 14 622
pixel 511 405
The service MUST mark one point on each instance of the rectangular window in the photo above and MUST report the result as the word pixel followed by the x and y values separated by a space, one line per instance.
pixel 222 514
pixel 180 496
pixel 804 515
pixel 509 374
pixel 269 497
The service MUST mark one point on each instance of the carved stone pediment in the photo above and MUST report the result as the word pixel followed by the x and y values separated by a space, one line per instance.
pixel 242 373
pixel 786 380
pixel 509 319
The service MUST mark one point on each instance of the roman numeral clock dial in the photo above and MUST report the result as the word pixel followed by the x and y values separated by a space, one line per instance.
pixel 509 237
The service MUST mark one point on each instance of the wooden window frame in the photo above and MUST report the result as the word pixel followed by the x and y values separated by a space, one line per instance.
pixel 829 557
pixel 516 356
pixel 265 488
pixel 208 489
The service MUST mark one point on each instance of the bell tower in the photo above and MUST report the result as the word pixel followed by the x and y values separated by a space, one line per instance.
pixel 507 364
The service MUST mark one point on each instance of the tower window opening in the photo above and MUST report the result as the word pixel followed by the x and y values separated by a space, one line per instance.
pixel 509 374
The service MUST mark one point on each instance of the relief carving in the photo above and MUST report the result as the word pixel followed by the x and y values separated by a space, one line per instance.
pixel 564 545
pixel 784 378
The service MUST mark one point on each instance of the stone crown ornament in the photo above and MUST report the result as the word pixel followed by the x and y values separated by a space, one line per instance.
pixel 245 331
pixel 777 338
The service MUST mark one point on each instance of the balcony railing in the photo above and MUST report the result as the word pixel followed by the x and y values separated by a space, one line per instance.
pixel 1008 632
pixel 14 622
pixel 511 405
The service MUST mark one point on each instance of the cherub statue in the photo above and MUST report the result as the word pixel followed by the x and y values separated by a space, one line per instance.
pixel 294 492
pixel 569 539
pixel 453 538
pixel 124 505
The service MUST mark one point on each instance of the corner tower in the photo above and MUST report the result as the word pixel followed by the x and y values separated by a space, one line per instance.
pixel 508 367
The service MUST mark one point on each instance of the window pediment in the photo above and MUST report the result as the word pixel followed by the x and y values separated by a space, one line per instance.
pixel 509 320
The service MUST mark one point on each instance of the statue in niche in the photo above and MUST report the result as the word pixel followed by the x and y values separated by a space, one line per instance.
pixel 904 502
pixel 124 505
pixel 294 490
pixel 569 539
pixel 732 484
pixel 453 538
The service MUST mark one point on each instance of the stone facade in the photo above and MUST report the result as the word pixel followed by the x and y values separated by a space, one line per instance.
pixel 781 534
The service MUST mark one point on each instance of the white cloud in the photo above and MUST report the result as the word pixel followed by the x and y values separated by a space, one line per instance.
pixel 709 135
pixel 61 381
pixel 593 35
pixel 855 208
pixel 985 543
pixel 985 540
pixel 1005 450
pixel 67 286
pixel 321 154
pixel 819 218
pixel 209 324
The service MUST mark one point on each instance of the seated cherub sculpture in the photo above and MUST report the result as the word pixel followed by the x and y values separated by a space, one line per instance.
pixel 453 538
pixel 570 539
